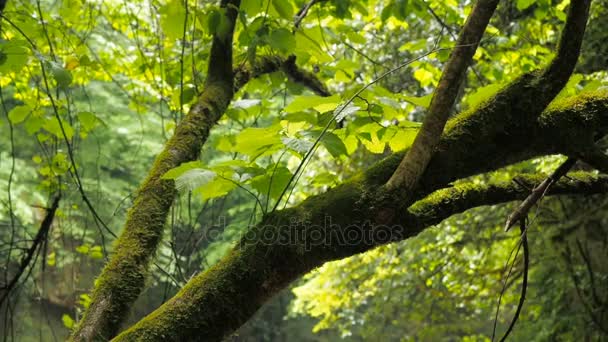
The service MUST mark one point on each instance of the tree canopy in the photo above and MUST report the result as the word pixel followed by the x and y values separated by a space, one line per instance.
pixel 303 169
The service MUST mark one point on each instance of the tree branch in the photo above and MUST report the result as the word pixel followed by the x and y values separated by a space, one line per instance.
pixel 303 12
pixel 43 231
pixel 123 278
pixel 537 193
pixel 346 220
pixel 270 64
pixel 506 129
pixel 447 202
pixel 525 98
pixel 416 160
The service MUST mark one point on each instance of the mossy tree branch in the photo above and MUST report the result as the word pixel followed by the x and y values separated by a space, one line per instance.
pixel 527 97
pixel 270 64
pixel 446 202
pixel 350 221
pixel 414 163
pixel 123 278
pixel 507 129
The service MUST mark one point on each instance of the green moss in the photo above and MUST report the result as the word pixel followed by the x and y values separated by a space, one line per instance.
pixel 123 278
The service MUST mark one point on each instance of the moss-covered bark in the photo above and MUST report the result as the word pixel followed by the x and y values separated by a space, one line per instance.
pixel 269 64
pixel 353 217
pixel 520 103
pixel 123 278
pixel 348 219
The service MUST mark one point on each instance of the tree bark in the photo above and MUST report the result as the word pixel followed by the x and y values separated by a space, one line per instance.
pixel 123 278
pixel 414 163
pixel 346 220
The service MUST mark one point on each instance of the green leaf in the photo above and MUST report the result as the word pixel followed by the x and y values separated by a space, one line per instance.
pixel 68 322
pixel 523 4
pixel 387 11
pixel 307 43
pixel 282 40
pixel 423 101
pixel 334 145
pixel 88 121
pixel 276 180
pixel 299 145
pixel 85 300
pixel 218 187
pixel 252 7
pixel 13 55
pixel 319 103
pixel 33 124
pixel 423 76
pixel 401 139
pixel 173 17
pixel 253 141
pixel 96 252
pixel 341 112
pixel 177 171
pixel 83 249
pixel 51 259
pixel 52 126
pixel 284 8
pixel 401 9
pixel 187 95
pixel 62 76
pixel 192 179
pixel 18 114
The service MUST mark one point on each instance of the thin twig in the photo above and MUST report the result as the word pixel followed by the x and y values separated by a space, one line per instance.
pixel 524 284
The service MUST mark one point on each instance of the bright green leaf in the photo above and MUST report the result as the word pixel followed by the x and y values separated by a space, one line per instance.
pixel 316 102
pixel 284 8
pixel 275 180
pixel 68 322
pixel 18 114
pixel 282 40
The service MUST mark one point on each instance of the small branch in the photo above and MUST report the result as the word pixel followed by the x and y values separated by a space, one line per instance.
pixel 270 64
pixel 45 226
pixel 538 193
pixel 297 20
pixel 303 77
pixel 524 284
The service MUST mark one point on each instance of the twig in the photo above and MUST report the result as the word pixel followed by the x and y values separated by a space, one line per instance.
pixel 45 225
pixel 297 20
pixel 538 192
pixel 524 284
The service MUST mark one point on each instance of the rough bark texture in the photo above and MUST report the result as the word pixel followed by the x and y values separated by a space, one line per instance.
pixel 347 220
pixel 123 278
pixel 414 163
